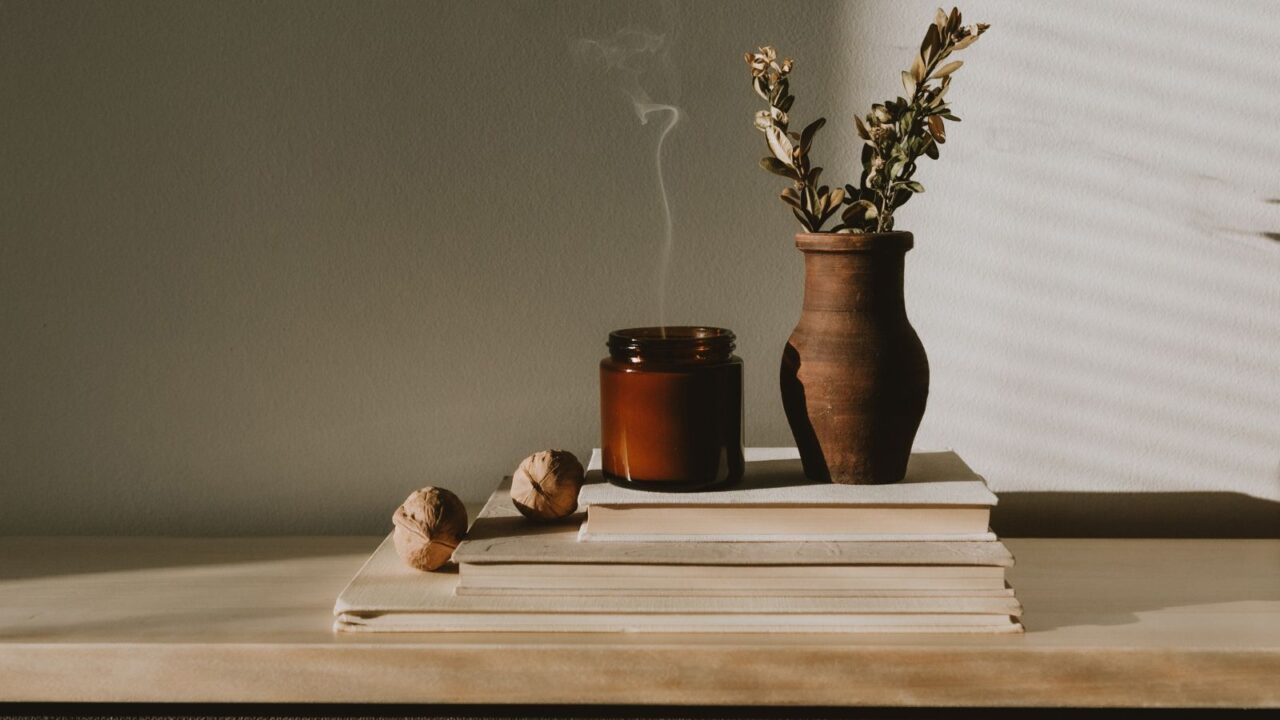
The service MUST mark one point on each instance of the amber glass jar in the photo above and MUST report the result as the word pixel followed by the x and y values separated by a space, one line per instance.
pixel 671 408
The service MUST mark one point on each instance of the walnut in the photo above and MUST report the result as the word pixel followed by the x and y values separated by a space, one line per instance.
pixel 545 486
pixel 429 525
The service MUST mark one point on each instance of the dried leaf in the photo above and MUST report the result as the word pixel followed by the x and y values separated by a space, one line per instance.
pixel 858 212
pixel 777 167
pixel 917 67
pixel 913 186
pixel 822 207
pixel 901 197
pixel 806 135
pixel 805 220
pixel 779 144
pixel 908 82
pixel 937 128
pixel 931 44
pixel 947 69
pixel 792 198
pixel 862 129
pixel 762 88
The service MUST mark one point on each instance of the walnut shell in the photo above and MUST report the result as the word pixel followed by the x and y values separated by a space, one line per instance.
pixel 545 486
pixel 429 525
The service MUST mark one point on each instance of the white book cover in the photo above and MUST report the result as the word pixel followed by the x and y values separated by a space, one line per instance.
pixel 683 573
pixel 969 624
pixel 501 535
pixel 783 581
pixel 387 596
pixel 1006 591
pixel 793 587
pixel 940 498
pixel 774 477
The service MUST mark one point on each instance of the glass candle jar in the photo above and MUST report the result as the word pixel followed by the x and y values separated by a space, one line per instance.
pixel 671 408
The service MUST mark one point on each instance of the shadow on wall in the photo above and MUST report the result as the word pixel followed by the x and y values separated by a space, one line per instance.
pixel 1135 515
pixel 1271 235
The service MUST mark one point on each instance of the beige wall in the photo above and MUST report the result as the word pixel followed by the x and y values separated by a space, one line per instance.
pixel 266 267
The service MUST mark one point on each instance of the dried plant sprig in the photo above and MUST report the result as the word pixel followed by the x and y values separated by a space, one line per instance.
pixel 895 133
pixel 812 204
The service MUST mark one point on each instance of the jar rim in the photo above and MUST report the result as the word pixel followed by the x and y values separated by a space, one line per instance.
pixel 674 343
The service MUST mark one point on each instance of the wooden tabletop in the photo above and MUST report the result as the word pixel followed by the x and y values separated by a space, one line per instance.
pixel 1189 623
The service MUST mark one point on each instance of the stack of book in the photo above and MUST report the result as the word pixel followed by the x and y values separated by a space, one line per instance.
pixel 775 553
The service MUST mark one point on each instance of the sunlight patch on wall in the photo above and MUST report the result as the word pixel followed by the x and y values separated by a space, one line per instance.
pixel 1092 275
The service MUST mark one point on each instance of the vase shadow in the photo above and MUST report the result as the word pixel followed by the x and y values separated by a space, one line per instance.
pixel 1201 514
pixel 1172 533
pixel 1123 580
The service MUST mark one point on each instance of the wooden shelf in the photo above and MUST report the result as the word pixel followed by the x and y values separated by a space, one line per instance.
pixel 1188 623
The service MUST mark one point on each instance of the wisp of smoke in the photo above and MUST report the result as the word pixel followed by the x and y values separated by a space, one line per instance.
pixel 627 56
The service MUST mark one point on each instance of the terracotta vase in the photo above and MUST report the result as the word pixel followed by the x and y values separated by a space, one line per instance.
pixel 854 374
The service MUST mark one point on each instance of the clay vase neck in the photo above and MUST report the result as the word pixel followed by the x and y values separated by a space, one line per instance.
pixel 847 273
pixel 854 375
